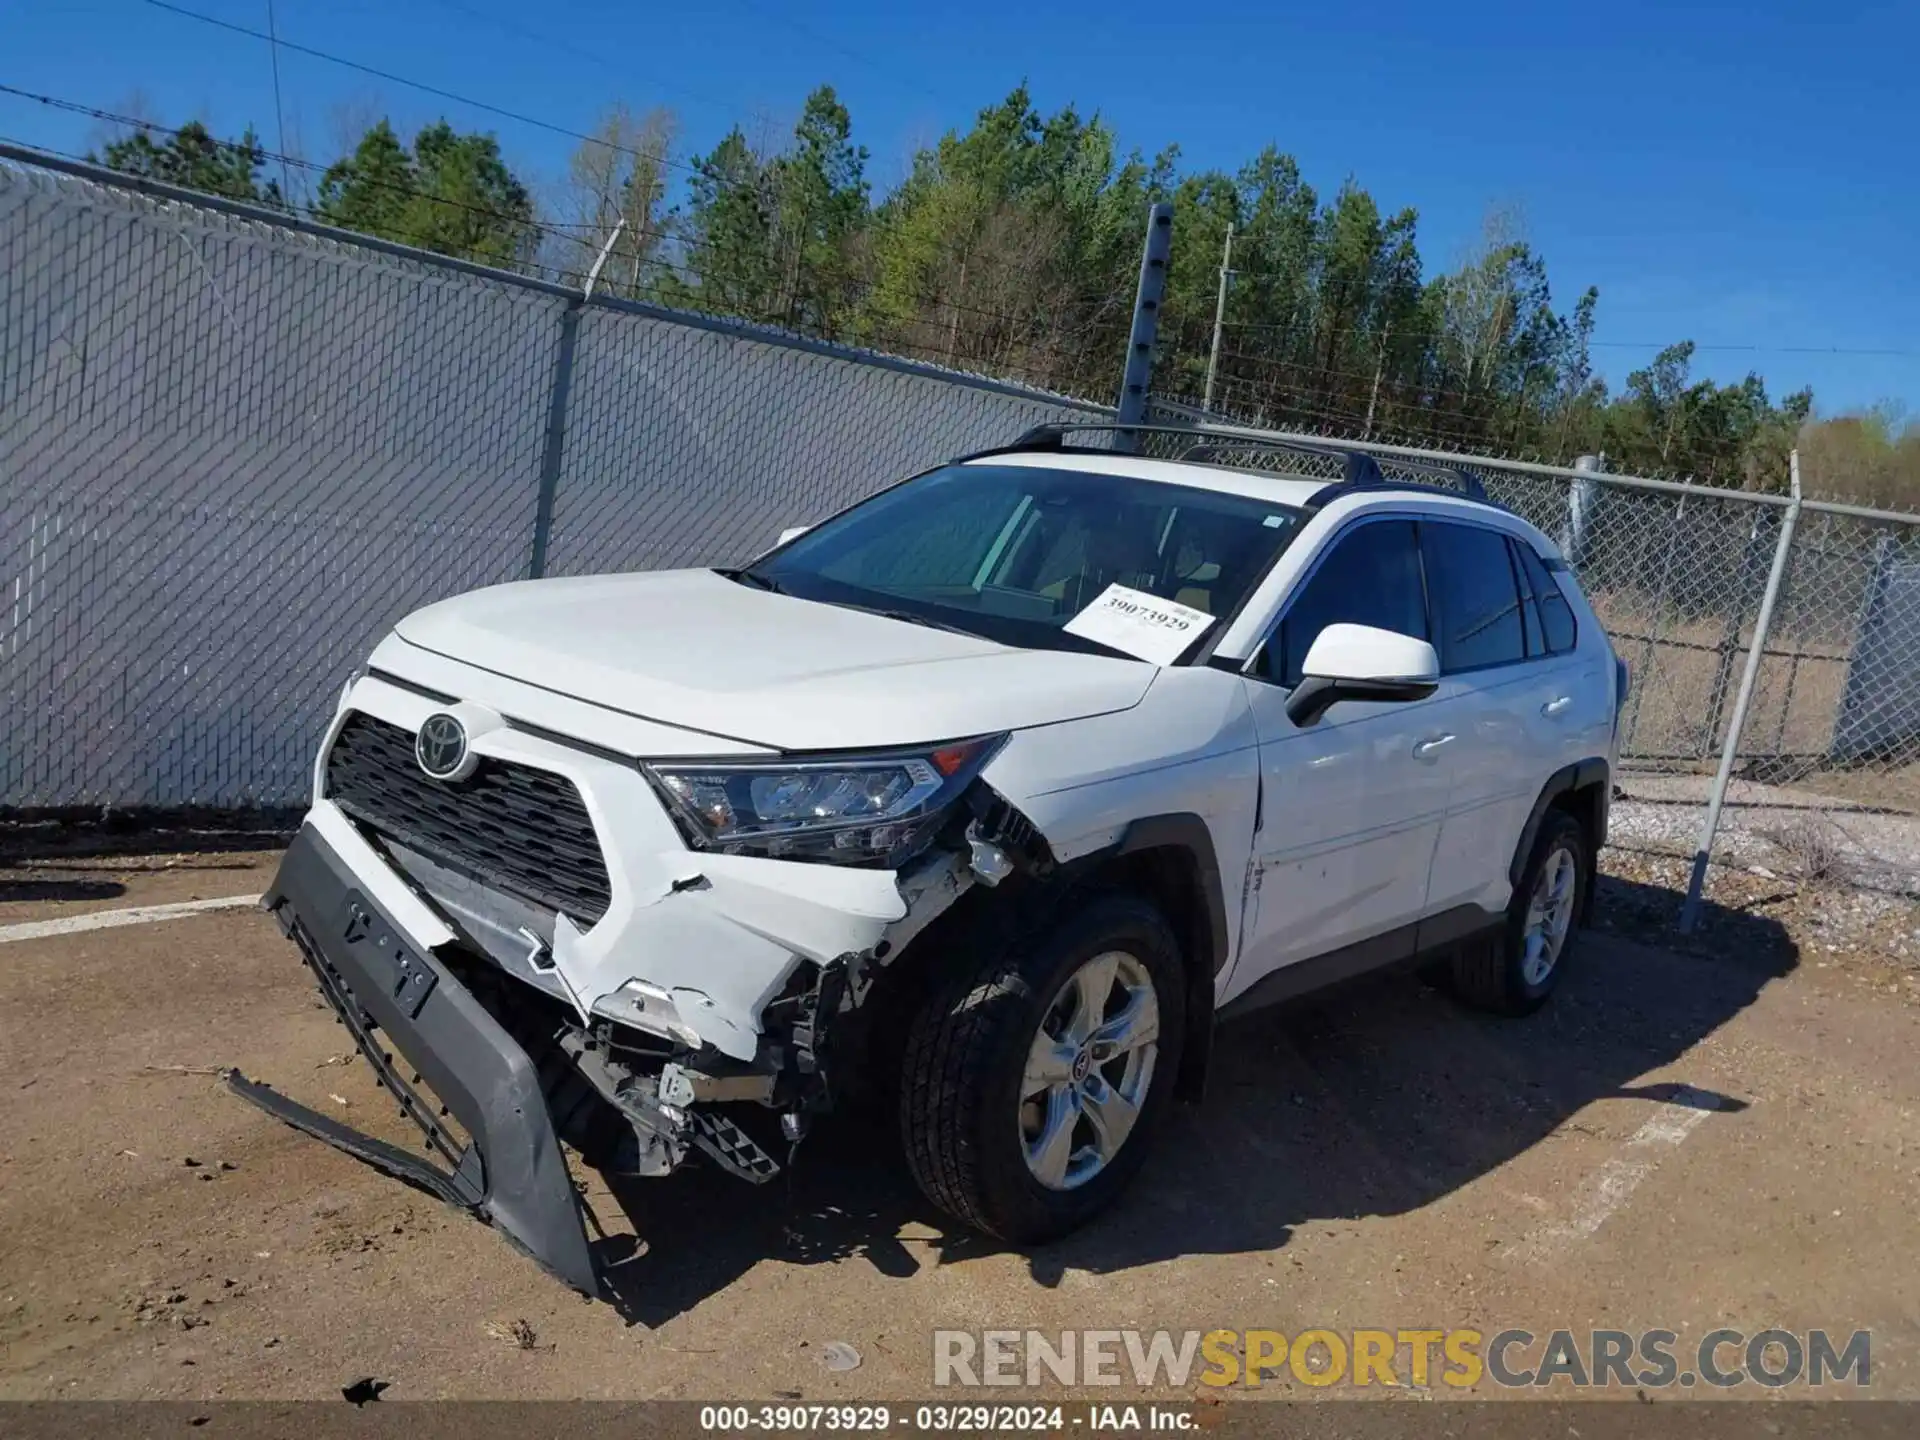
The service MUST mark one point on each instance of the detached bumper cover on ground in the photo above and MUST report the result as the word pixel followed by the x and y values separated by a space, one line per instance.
pixel 511 1171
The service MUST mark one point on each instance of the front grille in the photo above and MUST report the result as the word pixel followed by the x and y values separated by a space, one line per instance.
pixel 523 830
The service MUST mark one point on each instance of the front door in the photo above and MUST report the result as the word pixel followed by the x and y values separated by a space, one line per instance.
pixel 1350 807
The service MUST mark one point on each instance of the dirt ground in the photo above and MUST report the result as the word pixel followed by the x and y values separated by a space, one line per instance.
pixel 1377 1158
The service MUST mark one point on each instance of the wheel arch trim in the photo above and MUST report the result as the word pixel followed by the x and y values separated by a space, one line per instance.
pixel 1186 834
pixel 1593 773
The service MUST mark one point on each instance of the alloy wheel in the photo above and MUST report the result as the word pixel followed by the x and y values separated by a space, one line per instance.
pixel 1549 916
pixel 1088 1070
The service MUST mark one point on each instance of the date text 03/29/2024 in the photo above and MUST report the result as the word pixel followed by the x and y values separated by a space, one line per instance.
pixel 955 1419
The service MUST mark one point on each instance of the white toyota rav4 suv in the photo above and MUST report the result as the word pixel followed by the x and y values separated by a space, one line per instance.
pixel 983 799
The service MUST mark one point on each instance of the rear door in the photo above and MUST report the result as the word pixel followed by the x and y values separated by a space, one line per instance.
pixel 1579 705
pixel 1350 807
pixel 1516 704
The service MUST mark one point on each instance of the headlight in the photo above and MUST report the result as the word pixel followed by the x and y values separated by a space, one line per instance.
pixel 846 809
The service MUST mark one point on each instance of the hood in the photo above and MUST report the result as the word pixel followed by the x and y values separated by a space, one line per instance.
pixel 693 649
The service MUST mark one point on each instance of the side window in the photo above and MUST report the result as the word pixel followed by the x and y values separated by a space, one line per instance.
pixel 1370 577
pixel 1476 601
pixel 1529 607
pixel 1556 615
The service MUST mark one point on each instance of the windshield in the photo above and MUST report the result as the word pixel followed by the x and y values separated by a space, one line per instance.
pixel 1013 552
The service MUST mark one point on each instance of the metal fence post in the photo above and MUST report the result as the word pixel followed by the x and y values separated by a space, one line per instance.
pixel 556 436
pixel 1728 650
pixel 1581 495
pixel 1219 318
pixel 1690 910
pixel 1146 319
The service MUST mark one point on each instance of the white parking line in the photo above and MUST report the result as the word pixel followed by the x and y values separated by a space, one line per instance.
pixel 109 919
pixel 1614 1181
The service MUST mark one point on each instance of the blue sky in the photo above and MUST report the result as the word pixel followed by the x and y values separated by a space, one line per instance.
pixel 1744 175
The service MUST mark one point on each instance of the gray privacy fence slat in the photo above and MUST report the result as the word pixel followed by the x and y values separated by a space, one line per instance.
pixel 234 450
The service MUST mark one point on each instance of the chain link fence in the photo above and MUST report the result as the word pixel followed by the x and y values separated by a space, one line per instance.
pixel 234 450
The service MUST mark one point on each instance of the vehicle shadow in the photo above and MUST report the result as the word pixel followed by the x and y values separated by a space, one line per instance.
pixel 67 834
pixel 1378 1098
pixel 62 889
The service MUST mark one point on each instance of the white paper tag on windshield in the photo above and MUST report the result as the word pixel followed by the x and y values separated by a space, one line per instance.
pixel 1140 624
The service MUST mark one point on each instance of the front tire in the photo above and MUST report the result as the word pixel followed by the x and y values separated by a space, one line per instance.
pixel 1516 972
pixel 1034 1080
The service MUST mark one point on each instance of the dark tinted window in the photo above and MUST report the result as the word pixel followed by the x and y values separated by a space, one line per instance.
pixel 1476 602
pixel 1556 615
pixel 1529 609
pixel 1370 577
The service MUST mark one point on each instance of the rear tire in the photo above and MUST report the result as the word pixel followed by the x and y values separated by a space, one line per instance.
pixel 1034 1079
pixel 1515 972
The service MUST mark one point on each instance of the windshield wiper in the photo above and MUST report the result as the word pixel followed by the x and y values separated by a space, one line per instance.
pixel 753 578
pixel 909 616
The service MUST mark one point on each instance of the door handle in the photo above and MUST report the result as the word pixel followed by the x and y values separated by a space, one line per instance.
pixel 1430 747
pixel 1556 706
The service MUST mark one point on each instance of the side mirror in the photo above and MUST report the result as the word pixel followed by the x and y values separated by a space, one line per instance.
pixel 792 532
pixel 1361 662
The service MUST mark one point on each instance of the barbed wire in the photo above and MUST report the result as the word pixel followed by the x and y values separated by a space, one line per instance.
pixel 1300 280
pixel 1469 434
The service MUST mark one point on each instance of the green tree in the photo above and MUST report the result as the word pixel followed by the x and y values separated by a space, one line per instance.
pixel 192 157
pixel 781 238
pixel 819 190
pixel 372 190
pixel 727 234
pixel 1009 245
pixel 451 193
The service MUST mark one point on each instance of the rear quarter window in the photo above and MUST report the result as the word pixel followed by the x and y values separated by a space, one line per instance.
pixel 1559 630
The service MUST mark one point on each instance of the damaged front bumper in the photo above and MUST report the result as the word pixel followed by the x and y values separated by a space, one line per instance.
pixel 496 1072
pixel 702 1000
pixel 403 1005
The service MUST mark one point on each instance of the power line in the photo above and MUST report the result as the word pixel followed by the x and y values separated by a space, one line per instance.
pixel 1310 329
pixel 519 117
pixel 578 52
pixel 780 16
pixel 1757 349
pixel 1417 382
pixel 312 212
pixel 420 85
pixel 468 100
pixel 279 114
pixel 1429 419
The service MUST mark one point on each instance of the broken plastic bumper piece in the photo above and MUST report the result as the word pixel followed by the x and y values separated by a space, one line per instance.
pixel 402 1004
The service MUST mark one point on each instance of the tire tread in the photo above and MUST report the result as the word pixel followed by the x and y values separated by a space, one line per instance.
pixel 960 1035
pixel 1486 973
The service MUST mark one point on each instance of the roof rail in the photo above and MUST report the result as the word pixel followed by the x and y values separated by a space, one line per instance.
pixel 1359 470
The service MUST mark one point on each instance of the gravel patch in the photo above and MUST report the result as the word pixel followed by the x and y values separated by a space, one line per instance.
pixel 1773 831
pixel 1756 915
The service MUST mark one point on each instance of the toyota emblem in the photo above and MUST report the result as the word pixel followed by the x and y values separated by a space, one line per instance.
pixel 441 748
